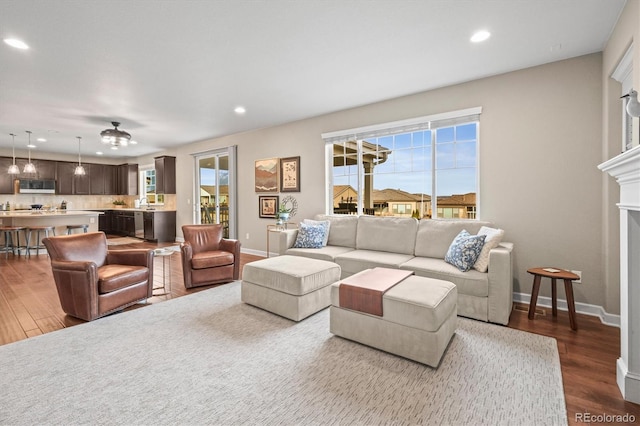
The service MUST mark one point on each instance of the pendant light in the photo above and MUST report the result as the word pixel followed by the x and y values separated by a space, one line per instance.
pixel 79 171
pixel 29 167
pixel 13 168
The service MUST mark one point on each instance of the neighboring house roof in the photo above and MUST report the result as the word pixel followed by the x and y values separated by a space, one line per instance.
pixel 386 195
pixel 339 190
pixel 458 199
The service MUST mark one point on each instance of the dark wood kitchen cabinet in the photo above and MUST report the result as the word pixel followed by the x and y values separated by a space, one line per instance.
pixel 165 174
pixel 69 184
pixel 103 179
pixel 160 226
pixel 6 180
pixel 128 179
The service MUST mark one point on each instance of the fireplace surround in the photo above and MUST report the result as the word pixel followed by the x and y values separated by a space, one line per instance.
pixel 625 168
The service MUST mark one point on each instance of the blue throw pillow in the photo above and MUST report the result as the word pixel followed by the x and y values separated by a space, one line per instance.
pixel 310 236
pixel 464 250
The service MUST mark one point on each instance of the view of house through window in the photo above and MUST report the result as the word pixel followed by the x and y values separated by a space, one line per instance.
pixel 148 186
pixel 421 174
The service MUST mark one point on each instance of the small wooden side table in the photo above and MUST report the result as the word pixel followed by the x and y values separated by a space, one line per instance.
pixel 567 277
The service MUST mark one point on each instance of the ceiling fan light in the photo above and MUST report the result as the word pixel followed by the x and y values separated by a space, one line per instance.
pixel 115 136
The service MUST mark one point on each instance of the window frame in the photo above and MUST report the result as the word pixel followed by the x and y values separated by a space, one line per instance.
pixel 431 123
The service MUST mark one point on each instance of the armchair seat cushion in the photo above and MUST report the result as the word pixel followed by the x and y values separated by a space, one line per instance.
pixel 116 277
pixel 211 259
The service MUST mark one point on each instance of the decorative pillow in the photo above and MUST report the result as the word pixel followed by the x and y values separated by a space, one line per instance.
pixel 309 236
pixel 464 250
pixel 493 238
pixel 325 223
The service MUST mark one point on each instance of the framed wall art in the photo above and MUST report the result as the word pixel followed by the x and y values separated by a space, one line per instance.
pixel 290 174
pixel 266 174
pixel 268 206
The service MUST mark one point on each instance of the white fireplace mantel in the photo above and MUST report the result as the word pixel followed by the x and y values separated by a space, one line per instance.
pixel 625 168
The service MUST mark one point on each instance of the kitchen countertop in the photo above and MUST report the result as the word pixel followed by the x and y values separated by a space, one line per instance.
pixel 40 213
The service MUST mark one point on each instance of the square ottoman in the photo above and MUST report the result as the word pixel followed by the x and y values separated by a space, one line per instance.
pixel 291 286
pixel 418 319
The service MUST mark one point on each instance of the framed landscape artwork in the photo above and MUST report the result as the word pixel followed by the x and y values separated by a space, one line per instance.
pixel 290 174
pixel 266 175
pixel 268 206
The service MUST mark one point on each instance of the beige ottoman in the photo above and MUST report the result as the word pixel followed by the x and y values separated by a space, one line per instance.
pixel 418 321
pixel 291 286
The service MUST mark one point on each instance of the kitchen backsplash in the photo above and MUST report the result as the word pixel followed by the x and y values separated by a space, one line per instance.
pixel 78 202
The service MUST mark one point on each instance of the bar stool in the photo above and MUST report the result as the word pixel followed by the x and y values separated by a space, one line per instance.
pixel 12 239
pixel 70 228
pixel 38 245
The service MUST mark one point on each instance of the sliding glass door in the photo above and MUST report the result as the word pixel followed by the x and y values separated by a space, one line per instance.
pixel 215 201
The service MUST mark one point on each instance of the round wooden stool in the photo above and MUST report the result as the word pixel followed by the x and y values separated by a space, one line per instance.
pixel 554 273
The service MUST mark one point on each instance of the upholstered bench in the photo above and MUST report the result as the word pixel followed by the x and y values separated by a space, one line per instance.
pixel 291 286
pixel 418 319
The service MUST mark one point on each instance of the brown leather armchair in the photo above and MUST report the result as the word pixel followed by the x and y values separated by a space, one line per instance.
pixel 93 281
pixel 207 258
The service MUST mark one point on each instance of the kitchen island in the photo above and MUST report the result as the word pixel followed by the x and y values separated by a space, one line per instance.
pixel 59 219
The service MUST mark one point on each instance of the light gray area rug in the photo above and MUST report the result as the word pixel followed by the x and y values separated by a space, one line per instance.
pixel 207 358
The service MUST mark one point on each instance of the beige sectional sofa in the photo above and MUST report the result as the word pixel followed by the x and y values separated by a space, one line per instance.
pixel 362 242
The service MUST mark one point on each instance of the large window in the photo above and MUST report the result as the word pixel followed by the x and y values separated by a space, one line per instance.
pixel 407 169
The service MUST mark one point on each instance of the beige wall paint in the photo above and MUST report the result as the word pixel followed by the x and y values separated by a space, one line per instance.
pixel 540 143
pixel 627 29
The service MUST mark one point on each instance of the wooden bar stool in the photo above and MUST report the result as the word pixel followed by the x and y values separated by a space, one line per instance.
pixel 11 239
pixel 38 243
pixel 554 273
pixel 70 228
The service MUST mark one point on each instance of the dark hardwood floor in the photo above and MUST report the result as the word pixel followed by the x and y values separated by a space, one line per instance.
pixel 29 306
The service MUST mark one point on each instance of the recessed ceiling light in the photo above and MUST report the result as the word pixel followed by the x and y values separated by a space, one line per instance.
pixel 31 146
pixel 132 142
pixel 41 140
pixel 240 110
pixel 99 153
pixel 480 36
pixel 18 44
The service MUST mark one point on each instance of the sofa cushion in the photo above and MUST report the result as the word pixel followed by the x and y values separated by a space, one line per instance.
pixel 310 236
pixel 342 231
pixel 390 234
pixel 464 250
pixel 493 238
pixel 324 223
pixel 434 236
pixel 471 283
pixel 359 260
pixel 324 253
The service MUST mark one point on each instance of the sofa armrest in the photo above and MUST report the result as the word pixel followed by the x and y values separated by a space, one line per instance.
pixel 77 285
pixel 500 283
pixel 133 257
pixel 286 240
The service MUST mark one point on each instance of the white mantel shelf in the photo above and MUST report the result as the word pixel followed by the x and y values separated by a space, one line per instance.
pixel 625 168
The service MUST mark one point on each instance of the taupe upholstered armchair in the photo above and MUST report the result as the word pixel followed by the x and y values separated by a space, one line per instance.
pixel 93 281
pixel 207 258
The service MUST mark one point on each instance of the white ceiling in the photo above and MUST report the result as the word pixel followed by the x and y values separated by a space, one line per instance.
pixel 172 71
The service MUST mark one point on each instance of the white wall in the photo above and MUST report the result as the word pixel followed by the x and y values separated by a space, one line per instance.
pixel 540 143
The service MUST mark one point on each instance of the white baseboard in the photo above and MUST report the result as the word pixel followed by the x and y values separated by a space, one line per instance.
pixel 256 252
pixel 581 308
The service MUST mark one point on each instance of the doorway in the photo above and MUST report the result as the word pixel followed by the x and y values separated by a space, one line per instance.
pixel 215 201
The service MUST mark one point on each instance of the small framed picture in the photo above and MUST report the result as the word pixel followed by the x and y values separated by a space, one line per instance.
pixel 290 174
pixel 268 206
